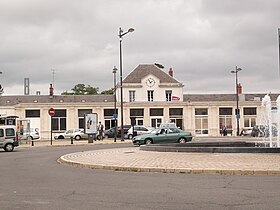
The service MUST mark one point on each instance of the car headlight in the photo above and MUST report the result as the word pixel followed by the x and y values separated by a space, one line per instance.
pixel 137 138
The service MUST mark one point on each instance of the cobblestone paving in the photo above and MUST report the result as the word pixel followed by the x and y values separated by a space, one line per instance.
pixel 133 159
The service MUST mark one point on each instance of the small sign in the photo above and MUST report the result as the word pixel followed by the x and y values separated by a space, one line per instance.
pixel 238 116
pixel 91 123
pixel 175 98
pixel 115 116
pixel 51 112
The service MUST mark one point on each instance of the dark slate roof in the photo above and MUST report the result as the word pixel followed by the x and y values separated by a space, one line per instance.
pixel 225 97
pixel 144 70
pixel 13 100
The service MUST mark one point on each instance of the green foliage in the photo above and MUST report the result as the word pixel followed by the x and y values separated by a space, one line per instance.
pixel 82 89
pixel 108 92
pixel 159 65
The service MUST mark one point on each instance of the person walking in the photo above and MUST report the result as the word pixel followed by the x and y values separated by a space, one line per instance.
pixel 100 131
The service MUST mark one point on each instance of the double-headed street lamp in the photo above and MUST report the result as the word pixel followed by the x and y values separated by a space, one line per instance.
pixel 121 34
pixel 237 98
pixel 115 104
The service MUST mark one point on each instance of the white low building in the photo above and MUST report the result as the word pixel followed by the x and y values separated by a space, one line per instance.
pixel 151 95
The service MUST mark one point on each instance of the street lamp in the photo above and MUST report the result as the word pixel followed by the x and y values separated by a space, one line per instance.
pixel 121 34
pixel 115 104
pixel 1 88
pixel 237 99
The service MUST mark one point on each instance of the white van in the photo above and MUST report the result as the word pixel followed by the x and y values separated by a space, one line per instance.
pixel 8 138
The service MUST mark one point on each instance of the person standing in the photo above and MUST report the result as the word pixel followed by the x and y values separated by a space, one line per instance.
pixel 100 131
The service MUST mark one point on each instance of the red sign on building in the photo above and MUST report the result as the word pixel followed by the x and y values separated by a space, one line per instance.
pixel 51 112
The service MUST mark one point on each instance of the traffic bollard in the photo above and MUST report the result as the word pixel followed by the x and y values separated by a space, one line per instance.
pixel 71 139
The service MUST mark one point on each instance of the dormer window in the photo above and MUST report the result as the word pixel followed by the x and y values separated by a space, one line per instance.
pixel 131 95
pixel 168 95
pixel 150 95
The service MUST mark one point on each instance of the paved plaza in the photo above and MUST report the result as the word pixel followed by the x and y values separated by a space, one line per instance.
pixel 136 160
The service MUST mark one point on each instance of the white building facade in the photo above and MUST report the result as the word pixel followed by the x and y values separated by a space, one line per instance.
pixel 151 95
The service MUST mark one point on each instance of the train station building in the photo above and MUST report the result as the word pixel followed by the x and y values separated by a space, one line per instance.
pixel 151 95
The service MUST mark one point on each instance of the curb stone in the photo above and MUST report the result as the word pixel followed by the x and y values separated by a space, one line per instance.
pixel 63 161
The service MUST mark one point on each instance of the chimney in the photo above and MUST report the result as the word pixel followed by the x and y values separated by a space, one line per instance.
pixel 51 90
pixel 170 72
pixel 239 89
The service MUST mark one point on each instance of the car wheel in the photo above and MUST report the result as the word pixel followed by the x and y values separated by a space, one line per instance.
pixel 60 137
pixel 77 137
pixel 130 136
pixel 9 147
pixel 182 140
pixel 29 138
pixel 149 141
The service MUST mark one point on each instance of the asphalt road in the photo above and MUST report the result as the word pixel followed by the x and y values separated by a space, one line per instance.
pixel 30 178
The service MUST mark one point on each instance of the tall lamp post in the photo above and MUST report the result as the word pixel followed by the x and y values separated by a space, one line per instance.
pixel 115 104
pixel 1 88
pixel 121 34
pixel 237 99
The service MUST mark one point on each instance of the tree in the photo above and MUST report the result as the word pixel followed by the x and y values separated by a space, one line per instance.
pixel 81 89
pixel 159 65
pixel 108 92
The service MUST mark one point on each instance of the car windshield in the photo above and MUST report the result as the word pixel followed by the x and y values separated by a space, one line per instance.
pixel 156 131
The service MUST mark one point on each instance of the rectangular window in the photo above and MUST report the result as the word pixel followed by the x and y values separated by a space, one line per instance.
pixel 225 111
pixel 32 113
pixel 109 112
pixel 250 116
pixel 201 121
pixel 1 132
pixel 156 112
pixel 10 132
pixel 155 122
pixel 59 120
pixel 81 114
pixel 201 111
pixel 173 112
pixel 250 111
pixel 137 112
pixel 168 95
pixel 225 119
pixel 131 95
pixel 150 95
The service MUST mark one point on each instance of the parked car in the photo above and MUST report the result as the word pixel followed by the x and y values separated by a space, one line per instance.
pixel 263 131
pixel 32 134
pixel 76 133
pixel 125 130
pixel 139 129
pixel 110 133
pixel 8 138
pixel 246 132
pixel 163 135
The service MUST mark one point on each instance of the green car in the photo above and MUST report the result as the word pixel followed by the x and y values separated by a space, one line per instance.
pixel 162 136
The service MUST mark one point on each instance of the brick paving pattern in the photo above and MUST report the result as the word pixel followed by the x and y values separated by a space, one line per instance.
pixel 133 159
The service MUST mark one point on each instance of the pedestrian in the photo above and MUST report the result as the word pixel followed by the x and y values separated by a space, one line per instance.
pixel 225 131
pixel 100 131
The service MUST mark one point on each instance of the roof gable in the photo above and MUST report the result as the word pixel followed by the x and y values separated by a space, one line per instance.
pixel 143 70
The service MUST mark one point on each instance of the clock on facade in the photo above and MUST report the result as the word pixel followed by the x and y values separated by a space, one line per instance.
pixel 150 82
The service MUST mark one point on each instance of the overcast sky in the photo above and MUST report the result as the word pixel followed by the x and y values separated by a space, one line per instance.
pixel 202 40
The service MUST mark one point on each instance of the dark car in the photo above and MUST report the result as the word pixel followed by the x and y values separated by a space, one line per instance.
pixel 163 135
pixel 110 133
pixel 125 130
pixel 263 131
